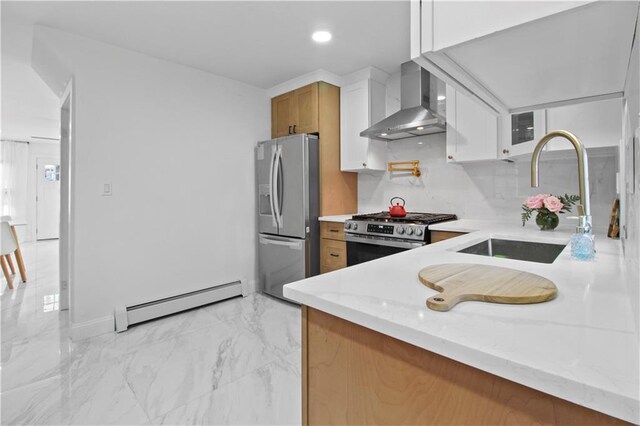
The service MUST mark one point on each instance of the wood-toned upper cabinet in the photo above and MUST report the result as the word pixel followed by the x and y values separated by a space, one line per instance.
pixel 295 112
pixel 306 109
pixel 282 112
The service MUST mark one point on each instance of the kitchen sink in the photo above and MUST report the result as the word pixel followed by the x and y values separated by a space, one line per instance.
pixel 518 250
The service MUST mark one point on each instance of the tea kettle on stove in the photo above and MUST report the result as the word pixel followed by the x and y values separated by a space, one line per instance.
pixel 397 210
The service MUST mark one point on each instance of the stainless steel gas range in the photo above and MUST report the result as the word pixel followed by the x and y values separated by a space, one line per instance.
pixel 371 236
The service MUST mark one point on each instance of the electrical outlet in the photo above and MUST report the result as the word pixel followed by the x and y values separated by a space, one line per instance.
pixel 107 190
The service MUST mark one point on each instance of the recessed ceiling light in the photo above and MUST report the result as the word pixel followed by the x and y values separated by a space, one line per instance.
pixel 383 134
pixel 420 128
pixel 321 36
pixel 441 97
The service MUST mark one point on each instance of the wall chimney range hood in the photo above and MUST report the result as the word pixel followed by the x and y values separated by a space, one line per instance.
pixel 422 112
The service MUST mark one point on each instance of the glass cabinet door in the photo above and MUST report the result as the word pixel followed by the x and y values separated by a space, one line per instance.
pixel 522 131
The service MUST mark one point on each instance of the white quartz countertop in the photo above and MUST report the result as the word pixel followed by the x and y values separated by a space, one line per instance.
pixel 339 218
pixel 513 227
pixel 581 346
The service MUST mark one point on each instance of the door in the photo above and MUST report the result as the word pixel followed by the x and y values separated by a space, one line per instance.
pixel 306 108
pixel 265 164
pixel 291 183
pixel 282 115
pixel 354 117
pixel 477 131
pixel 48 198
pixel 281 261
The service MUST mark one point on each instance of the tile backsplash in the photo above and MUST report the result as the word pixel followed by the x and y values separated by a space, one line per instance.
pixel 490 190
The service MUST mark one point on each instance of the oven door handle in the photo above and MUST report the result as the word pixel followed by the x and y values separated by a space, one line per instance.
pixel 380 242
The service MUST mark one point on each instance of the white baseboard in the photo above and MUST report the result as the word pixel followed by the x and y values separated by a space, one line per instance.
pixel 96 327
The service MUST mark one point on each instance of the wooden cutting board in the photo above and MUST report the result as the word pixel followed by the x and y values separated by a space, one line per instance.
pixel 458 282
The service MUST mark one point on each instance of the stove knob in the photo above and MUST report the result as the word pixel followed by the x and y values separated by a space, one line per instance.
pixel 347 225
pixel 354 226
pixel 400 230
pixel 409 231
pixel 418 232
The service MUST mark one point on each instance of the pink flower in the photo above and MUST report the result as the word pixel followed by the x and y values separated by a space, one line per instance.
pixel 536 202
pixel 553 204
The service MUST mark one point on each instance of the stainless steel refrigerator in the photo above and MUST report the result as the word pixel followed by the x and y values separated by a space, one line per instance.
pixel 288 207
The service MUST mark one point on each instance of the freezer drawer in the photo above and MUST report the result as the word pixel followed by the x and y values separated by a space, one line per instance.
pixel 281 261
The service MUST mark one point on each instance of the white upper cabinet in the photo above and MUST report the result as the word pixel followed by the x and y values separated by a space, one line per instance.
pixel 461 21
pixel 472 129
pixel 596 124
pixel 362 104
pixel 522 56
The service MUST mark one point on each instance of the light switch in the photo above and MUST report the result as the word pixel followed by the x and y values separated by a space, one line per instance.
pixel 106 190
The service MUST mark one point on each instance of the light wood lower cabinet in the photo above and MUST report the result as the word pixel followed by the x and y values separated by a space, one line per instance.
pixel 333 248
pixel 352 375
pixel 444 235
pixel 333 255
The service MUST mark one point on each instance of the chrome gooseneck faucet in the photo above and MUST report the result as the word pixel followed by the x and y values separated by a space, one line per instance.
pixel 584 208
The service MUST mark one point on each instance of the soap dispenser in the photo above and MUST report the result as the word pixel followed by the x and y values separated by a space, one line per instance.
pixel 583 242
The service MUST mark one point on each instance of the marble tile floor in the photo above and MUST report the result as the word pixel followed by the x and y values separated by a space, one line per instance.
pixel 232 362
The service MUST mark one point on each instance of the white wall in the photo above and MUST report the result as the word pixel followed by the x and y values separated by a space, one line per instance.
pixel 29 107
pixel 631 198
pixel 177 146
pixel 493 190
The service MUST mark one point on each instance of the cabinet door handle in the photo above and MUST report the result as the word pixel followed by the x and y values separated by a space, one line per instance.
pixel 450 157
pixel 294 129
pixel 334 255
pixel 334 230
pixel 505 151
pixel 289 129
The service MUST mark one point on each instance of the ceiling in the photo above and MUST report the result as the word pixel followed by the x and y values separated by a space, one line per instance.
pixel 261 43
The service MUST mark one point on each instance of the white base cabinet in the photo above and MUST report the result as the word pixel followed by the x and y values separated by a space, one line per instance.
pixel 362 104
pixel 472 129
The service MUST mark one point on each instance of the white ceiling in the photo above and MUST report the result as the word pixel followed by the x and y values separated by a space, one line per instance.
pixel 260 43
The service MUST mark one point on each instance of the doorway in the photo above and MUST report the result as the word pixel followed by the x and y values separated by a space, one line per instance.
pixel 48 199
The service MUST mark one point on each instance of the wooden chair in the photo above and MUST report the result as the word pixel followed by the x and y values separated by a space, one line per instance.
pixel 9 244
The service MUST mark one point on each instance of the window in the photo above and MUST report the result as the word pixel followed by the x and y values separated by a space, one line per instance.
pixel 52 172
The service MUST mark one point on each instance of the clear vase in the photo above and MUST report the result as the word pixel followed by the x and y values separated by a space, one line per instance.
pixel 547 221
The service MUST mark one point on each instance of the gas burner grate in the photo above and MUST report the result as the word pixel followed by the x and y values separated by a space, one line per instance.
pixel 411 217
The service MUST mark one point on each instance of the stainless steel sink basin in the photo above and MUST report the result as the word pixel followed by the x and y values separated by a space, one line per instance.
pixel 517 250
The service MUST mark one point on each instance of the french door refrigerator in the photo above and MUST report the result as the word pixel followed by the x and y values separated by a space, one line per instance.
pixel 288 207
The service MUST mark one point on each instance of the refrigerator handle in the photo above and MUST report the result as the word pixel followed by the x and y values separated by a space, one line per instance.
pixel 280 187
pixel 276 184
pixel 271 191
pixel 291 244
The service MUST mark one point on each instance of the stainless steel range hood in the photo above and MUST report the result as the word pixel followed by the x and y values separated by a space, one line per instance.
pixel 422 112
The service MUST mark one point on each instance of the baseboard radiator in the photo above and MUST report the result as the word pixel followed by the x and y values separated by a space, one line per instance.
pixel 129 315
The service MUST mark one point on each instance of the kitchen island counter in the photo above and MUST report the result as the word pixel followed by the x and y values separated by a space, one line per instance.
pixel 581 347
